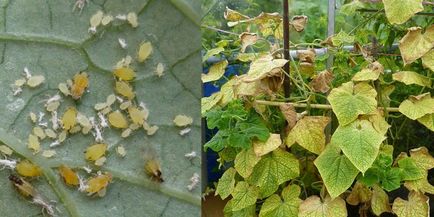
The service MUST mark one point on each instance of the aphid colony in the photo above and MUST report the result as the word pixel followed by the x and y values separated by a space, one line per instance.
pixel 101 19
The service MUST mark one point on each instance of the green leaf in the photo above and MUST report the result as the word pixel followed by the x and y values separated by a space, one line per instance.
pixel 416 206
pixel 226 183
pixel 309 133
pixel 428 60
pixel 314 207
pixel 51 40
pixel 245 161
pixel 371 73
pixel 415 44
pixel 342 38
pixel 249 211
pixel 428 121
pixel 349 101
pixel 244 196
pixel 212 52
pixel 391 179
pixel 272 170
pixel 207 103
pixel 275 207
pixel 337 172
pixel 380 201
pixel 350 8
pixel 417 106
pixel 399 11
pixel 410 170
pixel 360 142
pixel 215 72
pixel 409 77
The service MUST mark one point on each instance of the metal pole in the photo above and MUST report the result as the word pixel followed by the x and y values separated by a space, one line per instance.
pixel 286 80
pixel 331 26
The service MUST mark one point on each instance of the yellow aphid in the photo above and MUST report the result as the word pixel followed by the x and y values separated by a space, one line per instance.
pixel 69 119
pixel 126 133
pixel 39 132
pixel 63 87
pixel 134 126
pixel 98 183
pixel 150 130
pixel 62 136
pixel 35 81
pixel 52 106
pixel 50 133
pixel 106 110
pixel 23 187
pixel 159 70
pixel 100 106
pixel 110 100
pixel 153 170
pixel 5 150
pixel 48 153
pixel 33 117
pixel 20 82
pixel 83 120
pixel 27 169
pixel 125 105
pixel 75 129
pixel 100 161
pixel 137 116
pixel 125 73
pixel 145 50
pixel 118 120
pixel 124 89
pixel 132 19
pixel 182 120
pixel 81 81
pixel 68 175
pixel 121 151
pixel 107 19
pixel 33 143
pixel 95 152
pixel 96 19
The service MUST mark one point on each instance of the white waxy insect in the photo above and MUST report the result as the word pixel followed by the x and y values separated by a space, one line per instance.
pixel 194 180
pixel 48 153
pixel 87 169
pixel 106 110
pixel 63 87
pixel 159 70
pixel 35 80
pixel 86 130
pixel 100 106
pixel 102 120
pixel 191 155
pixel 10 164
pixel 124 62
pixel 150 130
pixel 122 17
pixel 122 43
pixel 134 126
pixel 83 120
pixel 100 161
pixel 41 116
pixel 132 19
pixel 121 151
pixel 6 150
pixel 27 73
pixel 54 98
pixel 20 82
pixel 125 105
pixel 50 133
pixel 52 106
pixel 107 19
pixel 110 99
pixel 185 131
pixel 55 144
pixel 80 4
pixel 39 132
pixel 54 120
pixel 33 117
pixel 97 134
pixel 16 90
pixel 126 133
pixel 144 109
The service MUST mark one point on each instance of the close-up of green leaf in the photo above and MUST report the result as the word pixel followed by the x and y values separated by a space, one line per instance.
pixel 51 39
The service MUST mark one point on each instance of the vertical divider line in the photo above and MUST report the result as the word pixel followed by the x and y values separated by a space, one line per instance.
pixel 286 53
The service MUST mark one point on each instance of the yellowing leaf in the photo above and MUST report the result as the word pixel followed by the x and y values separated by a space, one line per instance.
pixel 417 106
pixel 409 77
pixel 399 11
pixel 420 185
pixel 95 152
pixel 416 206
pixel 360 142
pixel 227 92
pixel 414 45
pixel 380 201
pixel 182 120
pixel 245 161
pixel 309 133
pixel 263 67
pixel 145 50
pixel 359 194
pixel 247 39
pixel 244 196
pixel 428 121
pixel 299 22
pixel 226 183
pixel 263 148
pixel 28 169
pixel 314 207
pixel 428 60
pixel 272 170
pixel 370 73
pixel 337 171
pixel 274 206
pixel 211 53
pixel 378 121
pixel 233 16
pixel 349 101
pixel 215 72
pixel 125 73
pixel 208 103
pixel 422 158
pixel 118 120
pixel 321 82
pixel 68 175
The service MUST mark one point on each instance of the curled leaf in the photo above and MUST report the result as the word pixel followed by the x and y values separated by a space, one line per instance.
pixel 299 22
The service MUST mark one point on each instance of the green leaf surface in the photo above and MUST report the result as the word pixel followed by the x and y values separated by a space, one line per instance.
pixel 337 171
pixel 351 100
pixel 275 207
pixel 245 161
pixel 51 40
pixel 409 77
pixel 391 179
pixel 410 170
pixel 243 196
pixel 309 133
pixel 399 11
pixel 272 170
pixel 226 183
pixel 360 142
